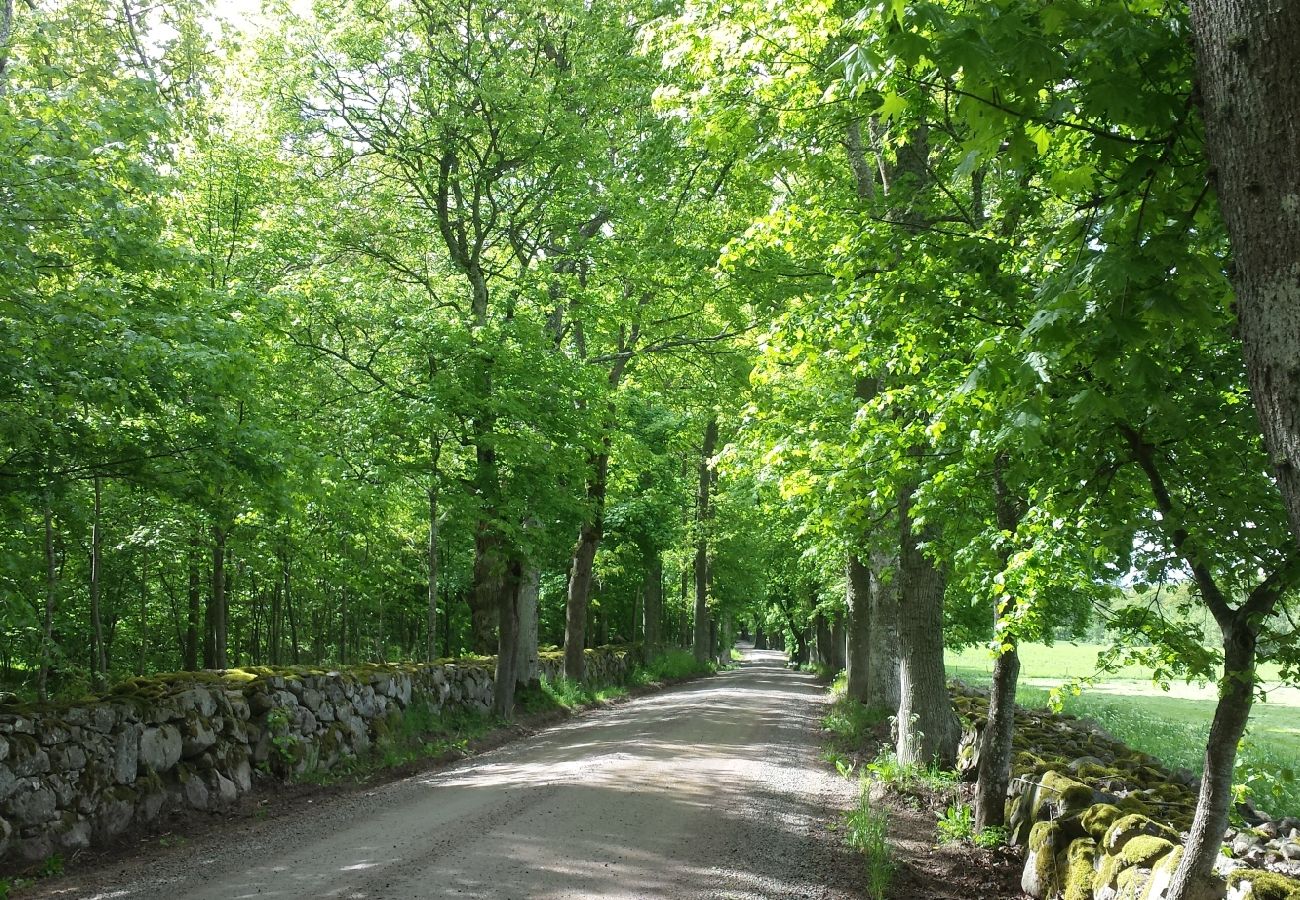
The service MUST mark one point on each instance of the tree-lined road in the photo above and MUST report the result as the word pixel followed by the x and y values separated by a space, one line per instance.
pixel 711 789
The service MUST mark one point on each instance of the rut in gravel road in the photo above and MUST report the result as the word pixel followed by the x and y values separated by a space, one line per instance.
pixel 709 789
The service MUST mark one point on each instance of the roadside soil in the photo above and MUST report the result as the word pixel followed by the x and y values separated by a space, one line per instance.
pixel 710 789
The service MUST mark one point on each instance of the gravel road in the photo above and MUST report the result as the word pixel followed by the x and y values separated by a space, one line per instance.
pixel 710 789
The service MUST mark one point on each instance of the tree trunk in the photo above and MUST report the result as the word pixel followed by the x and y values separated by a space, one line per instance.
pixel 507 670
pixel 99 663
pixel 653 611
pixel 528 674
pixel 430 649
pixel 217 604
pixel 837 642
pixel 883 687
pixel 857 598
pixel 1248 53
pixel 928 730
pixel 584 561
pixel 703 512
pixel 193 615
pixel 51 589
pixel 760 638
pixel 823 652
pixel 995 748
pixel 1195 879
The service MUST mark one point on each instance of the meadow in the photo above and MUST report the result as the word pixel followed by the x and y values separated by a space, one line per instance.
pixel 1171 724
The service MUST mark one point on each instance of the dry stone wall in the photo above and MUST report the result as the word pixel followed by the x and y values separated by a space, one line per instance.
pixel 1101 821
pixel 82 774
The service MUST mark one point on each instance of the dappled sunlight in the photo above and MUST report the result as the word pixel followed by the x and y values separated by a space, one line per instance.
pixel 664 796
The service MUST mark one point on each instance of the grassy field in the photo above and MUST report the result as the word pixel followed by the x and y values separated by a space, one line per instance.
pixel 1170 724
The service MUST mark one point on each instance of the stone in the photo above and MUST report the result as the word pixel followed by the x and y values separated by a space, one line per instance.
pixel 197 735
pixel 6 832
pixel 1041 876
pixel 34 806
pixel 223 790
pixel 193 791
pixel 68 758
pixel 4 749
pixel 73 835
pixel 160 748
pixel 1291 850
pixel 8 783
pixel 32 760
pixel 116 812
pixel 126 754
pixel 312 699
pixel 198 700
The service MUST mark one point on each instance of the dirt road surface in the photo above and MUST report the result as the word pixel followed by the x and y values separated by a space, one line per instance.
pixel 712 789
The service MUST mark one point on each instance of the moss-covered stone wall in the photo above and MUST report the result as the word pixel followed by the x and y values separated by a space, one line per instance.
pixel 1101 821
pixel 73 775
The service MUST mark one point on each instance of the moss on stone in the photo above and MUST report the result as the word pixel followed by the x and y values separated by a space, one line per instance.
pixel 1078 863
pixel 1098 818
pixel 1145 849
pixel 1266 885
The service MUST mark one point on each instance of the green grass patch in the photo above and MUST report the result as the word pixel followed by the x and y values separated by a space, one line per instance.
pixel 1147 718
pixel 670 665
pixel 866 830
pixel 421 733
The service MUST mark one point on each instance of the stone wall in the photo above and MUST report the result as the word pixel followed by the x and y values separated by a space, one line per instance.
pixel 74 775
pixel 1101 821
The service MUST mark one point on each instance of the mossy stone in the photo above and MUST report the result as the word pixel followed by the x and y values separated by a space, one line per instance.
pixel 1098 818
pixel 1265 885
pixel 1079 865
pixel 1144 850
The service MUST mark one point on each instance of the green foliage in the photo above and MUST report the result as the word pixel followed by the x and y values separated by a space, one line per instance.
pixel 671 665
pixel 910 777
pixel 957 824
pixel 867 831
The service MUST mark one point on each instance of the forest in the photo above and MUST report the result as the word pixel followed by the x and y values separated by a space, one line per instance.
pixel 353 331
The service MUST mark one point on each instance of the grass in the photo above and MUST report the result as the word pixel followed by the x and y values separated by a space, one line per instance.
pixel 671 665
pixel 866 830
pixel 421 734
pixel 1147 718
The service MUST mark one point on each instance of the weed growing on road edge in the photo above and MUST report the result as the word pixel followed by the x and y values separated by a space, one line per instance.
pixel 849 722
pixel 866 830
pixel 668 666
pixel 905 777
pixel 957 826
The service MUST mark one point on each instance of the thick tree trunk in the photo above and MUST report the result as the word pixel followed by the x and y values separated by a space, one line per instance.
pixel 824 652
pixel 1248 53
pixel 507 670
pixel 857 598
pixel 928 730
pixel 653 611
pixel 528 674
pixel 703 512
pixel 98 664
pixel 801 652
pixel 883 688
pixel 1194 879
pixel 217 601
pixel 837 642
pixel 760 638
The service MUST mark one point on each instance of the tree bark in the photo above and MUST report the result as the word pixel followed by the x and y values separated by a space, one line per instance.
pixel 703 512
pixel 51 590
pixel 1248 53
pixel 507 670
pixel 857 598
pixel 928 730
pixel 760 638
pixel 193 615
pixel 99 663
pixel 217 602
pixel 653 611
pixel 431 630
pixel 995 749
pixel 528 674
pixel 1194 879
pixel 580 575
pixel 883 688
